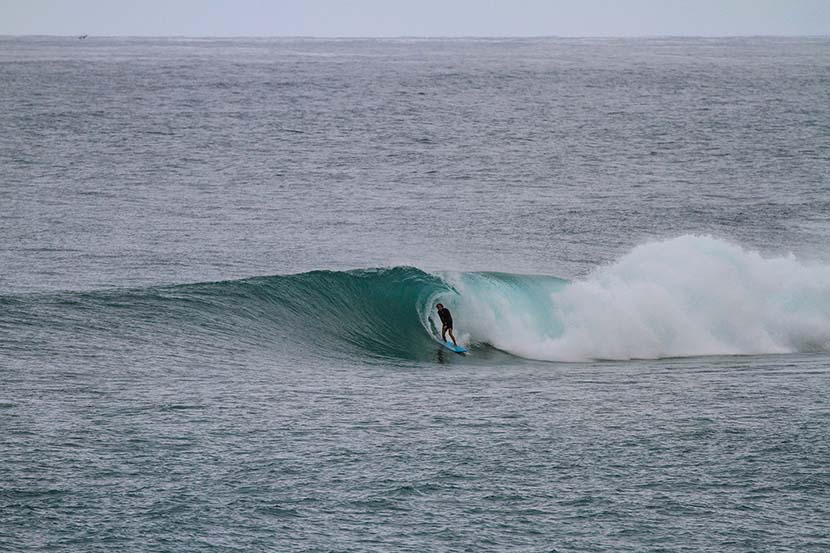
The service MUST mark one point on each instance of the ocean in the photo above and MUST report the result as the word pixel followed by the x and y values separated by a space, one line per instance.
pixel 220 259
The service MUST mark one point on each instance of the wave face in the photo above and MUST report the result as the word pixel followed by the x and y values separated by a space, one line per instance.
pixel 357 314
pixel 689 296
pixel 354 314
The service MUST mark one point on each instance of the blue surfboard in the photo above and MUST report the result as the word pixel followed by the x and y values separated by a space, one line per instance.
pixel 456 349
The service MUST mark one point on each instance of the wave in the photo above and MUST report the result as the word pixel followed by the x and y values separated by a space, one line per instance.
pixel 688 296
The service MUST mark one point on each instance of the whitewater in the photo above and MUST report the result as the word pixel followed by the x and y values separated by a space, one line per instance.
pixel 689 296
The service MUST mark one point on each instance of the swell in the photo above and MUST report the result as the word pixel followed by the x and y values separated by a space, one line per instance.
pixel 689 296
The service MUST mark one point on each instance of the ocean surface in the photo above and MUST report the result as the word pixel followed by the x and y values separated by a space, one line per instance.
pixel 220 259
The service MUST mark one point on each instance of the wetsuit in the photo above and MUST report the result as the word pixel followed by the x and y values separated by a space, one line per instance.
pixel 446 318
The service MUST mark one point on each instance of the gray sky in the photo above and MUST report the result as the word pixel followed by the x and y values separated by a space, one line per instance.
pixel 373 18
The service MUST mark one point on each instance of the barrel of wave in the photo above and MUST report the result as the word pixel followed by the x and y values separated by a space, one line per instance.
pixel 503 310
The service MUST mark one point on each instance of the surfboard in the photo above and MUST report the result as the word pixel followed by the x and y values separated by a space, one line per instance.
pixel 456 349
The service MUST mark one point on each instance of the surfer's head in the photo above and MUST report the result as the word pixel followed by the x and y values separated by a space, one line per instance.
pixel 439 306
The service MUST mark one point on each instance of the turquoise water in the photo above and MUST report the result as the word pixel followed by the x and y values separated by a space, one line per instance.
pixel 221 259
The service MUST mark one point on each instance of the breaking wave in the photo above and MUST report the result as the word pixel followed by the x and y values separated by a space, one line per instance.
pixel 688 296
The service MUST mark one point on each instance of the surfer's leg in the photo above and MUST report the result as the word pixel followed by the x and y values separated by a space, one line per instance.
pixel 444 333
pixel 453 337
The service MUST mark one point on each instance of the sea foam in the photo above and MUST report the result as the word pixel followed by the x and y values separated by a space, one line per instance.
pixel 687 296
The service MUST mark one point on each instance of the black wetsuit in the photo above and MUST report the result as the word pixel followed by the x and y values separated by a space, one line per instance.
pixel 446 318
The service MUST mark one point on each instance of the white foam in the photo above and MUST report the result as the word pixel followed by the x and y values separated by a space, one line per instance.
pixel 688 296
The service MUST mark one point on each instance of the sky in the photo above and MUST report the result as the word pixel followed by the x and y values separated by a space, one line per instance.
pixel 391 18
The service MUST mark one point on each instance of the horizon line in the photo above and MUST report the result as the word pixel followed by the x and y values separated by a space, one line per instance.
pixel 409 37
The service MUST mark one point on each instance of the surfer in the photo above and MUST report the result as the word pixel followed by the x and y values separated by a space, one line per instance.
pixel 446 319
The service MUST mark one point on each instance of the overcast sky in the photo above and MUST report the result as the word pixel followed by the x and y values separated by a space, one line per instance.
pixel 373 18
